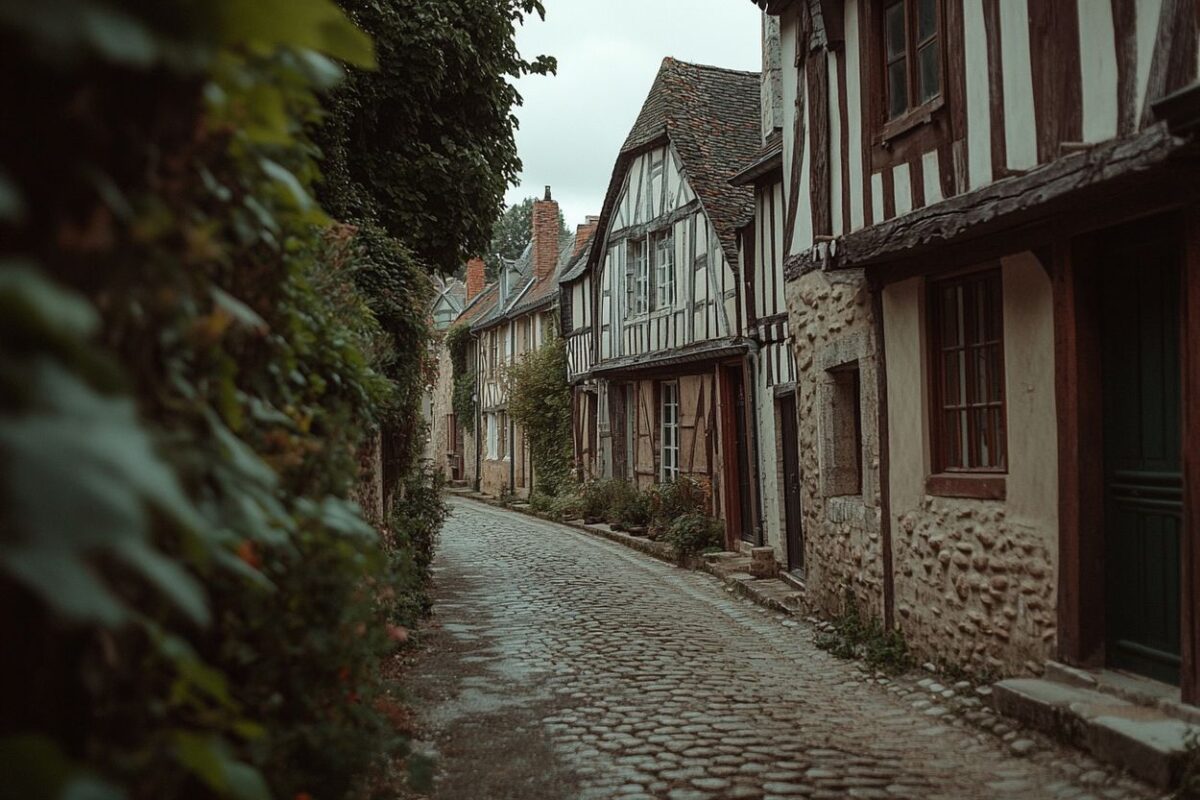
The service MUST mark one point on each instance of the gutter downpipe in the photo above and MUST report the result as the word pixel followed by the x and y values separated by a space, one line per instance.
pixel 885 500
pixel 479 434
pixel 752 354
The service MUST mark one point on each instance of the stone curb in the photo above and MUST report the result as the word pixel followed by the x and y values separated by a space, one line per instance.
pixel 742 584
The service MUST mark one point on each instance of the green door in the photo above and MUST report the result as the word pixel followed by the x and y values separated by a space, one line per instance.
pixel 1142 439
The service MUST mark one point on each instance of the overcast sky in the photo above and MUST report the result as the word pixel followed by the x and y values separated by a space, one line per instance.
pixel 608 52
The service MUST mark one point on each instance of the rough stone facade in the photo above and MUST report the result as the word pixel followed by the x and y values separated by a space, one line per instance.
pixel 437 445
pixel 974 588
pixel 830 317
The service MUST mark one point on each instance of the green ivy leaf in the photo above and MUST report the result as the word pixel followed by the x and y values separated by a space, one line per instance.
pixel 79 476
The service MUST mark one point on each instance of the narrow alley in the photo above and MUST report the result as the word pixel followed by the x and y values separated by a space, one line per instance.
pixel 562 666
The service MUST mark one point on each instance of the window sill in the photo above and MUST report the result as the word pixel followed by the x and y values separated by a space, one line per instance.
pixel 913 118
pixel 982 486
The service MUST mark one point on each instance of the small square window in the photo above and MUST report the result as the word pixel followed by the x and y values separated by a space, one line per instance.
pixel 842 439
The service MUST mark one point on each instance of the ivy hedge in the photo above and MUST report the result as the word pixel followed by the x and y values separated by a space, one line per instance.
pixel 462 399
pixel 194 358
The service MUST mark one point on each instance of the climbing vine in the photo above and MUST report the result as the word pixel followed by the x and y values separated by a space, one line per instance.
pixel 539 400
pixel 458 342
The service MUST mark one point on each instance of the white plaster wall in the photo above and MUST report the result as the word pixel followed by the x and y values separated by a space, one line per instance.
pixel 1029 384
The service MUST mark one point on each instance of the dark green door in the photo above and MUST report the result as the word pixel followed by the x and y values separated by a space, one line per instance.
pixel 1142 439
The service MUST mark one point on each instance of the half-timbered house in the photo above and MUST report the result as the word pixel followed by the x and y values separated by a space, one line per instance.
pixel 664 370
pixel 992 247
pixel 523 316
pixel 452 440
pixel 772 367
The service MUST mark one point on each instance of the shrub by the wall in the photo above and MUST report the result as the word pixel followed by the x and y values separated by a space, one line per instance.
pixel 694 534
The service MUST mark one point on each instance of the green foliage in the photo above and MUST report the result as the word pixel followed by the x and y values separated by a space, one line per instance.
pixel 694 534
pixel 631 508
pixel 511 234
pixel 596 497
pixel 192 357
pixel 411 539
pixel 677 498
pixel 539 400
pixel 854 636
pixel 462 399
pixel 424 146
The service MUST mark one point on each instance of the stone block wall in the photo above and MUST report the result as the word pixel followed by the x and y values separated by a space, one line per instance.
pixel 973 587
pixel 830 318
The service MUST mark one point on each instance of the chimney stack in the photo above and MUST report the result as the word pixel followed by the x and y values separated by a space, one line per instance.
pixel 476 276
pixel 584 233
pixel 545 237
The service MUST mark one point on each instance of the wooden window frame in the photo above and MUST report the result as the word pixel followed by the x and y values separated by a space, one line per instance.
pixel 982 482
pixel 637 276
pixel 923 127
pixel 669 473
pixel 663 279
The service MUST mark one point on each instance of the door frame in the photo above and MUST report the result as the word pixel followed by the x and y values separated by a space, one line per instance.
pixel 735 525
pixel 789 429
pixel 1078 393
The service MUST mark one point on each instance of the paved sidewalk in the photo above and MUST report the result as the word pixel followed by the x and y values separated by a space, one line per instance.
pixel 564 666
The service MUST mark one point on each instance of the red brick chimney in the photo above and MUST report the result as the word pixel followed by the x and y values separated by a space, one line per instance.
pixel 545 237
pixel 584 234
pixel 475 278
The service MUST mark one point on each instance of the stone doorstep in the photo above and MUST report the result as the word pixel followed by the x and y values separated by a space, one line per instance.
pixel 1134 688
pixel 771 593
pixel 1142 739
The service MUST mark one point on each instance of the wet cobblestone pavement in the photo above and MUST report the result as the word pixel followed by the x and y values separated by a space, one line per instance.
pixel 563 666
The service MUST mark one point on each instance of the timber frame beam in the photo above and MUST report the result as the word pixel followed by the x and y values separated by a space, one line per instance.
pixel 1086 177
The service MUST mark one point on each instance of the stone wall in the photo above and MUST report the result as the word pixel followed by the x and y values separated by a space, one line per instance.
pixel 830 318
pixel 437 443
pixel 974 588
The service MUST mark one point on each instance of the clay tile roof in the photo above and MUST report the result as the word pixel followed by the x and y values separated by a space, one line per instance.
pixel 712 116
pixel 484 302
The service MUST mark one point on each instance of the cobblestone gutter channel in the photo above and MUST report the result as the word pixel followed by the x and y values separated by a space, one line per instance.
pixel 561 665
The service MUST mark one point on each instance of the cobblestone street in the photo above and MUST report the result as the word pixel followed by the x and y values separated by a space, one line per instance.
pixel 563 666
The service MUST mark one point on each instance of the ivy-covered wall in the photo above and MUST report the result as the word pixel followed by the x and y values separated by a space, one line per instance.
pixel 196 363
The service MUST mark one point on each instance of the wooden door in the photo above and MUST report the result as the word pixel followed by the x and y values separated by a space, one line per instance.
pixel 739 504
pixel 789 440
pixel 618 430
pixel 1143 481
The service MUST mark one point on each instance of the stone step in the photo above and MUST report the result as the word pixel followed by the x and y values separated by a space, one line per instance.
pixel 1142 739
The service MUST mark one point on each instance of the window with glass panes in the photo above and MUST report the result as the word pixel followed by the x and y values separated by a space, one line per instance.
pixel 967 354
pixel 912 50
pixel 637 278
pixel 670 431
pixel 664 269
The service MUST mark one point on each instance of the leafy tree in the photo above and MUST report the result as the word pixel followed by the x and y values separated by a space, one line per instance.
pixel 425 146
pixel 512 233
